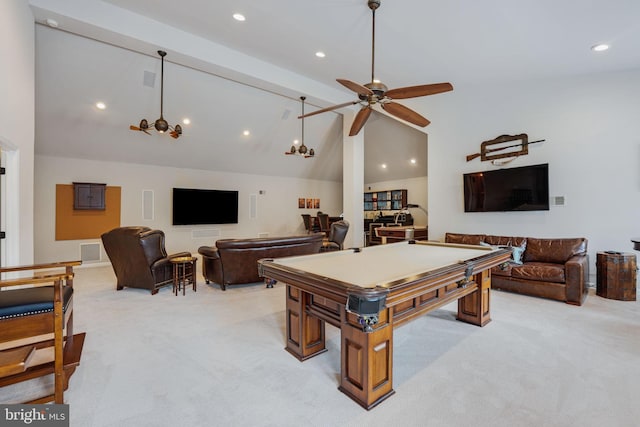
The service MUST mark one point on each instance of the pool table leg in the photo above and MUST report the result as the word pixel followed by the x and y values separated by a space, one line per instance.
pixel 366 360
pixel 305 333
pixel 475 308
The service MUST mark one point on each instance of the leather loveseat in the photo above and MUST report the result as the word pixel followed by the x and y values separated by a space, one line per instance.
pixel 549 268
pixel 235 261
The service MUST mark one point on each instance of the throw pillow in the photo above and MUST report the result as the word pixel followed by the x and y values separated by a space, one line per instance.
pixel 517 252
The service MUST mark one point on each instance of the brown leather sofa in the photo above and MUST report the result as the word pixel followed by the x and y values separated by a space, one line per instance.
pixel 235 261
pixel 139 258
pixel 549 268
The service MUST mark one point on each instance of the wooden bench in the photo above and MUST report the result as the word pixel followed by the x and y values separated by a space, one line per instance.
pixel 36 327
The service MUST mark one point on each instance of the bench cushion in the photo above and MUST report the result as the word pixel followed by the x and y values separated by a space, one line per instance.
pixel 28 301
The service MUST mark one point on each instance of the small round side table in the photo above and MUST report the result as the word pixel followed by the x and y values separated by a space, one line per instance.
pixel 184 272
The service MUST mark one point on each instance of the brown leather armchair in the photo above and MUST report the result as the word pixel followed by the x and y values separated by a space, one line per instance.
pixel 339 230
pixel 139 258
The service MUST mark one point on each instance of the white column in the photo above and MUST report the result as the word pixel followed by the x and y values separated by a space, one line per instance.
pixel 353 182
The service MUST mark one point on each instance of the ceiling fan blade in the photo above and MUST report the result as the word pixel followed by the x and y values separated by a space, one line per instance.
pixel 405 113
pixel 360 120
pixel 324 110
pixel 416 91
pixel 132 127
pixel 174 134
pixel 357 88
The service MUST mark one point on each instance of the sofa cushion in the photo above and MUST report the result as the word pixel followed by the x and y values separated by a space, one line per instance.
pixel 539 271
pixel 554 250
pixel 466 239
pixel 504 240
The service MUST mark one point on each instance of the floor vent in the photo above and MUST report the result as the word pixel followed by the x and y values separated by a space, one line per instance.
pixel 205 233
pixel 90 252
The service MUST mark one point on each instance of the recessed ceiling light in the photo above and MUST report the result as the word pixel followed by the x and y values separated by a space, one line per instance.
pixel 101 105
pixel 384 166
pixel 413 161
pixel 238 17
pixel 246 133
pixel 296 142
pixel 600 47
pixel 186 121
pixel 320 54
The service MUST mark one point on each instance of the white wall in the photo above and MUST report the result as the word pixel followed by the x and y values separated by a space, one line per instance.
pixel 277 208
pixel 592 130
pixel 17 50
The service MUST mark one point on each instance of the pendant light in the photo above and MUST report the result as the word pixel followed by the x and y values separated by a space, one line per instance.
pixel 302 150
pixel 161 125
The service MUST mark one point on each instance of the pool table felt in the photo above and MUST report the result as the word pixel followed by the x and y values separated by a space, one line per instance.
pixel 378 265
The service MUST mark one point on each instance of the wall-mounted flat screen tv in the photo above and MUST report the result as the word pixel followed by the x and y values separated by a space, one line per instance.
pixel 514 189
pixel 193 206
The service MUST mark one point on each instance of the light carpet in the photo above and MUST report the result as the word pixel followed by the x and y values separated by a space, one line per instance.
pixel 214 358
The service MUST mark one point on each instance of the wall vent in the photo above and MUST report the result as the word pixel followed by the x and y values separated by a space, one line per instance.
pixel 557 201
pixel 149 79
pixel 205 233
pixel 254 206
pixel 90 252
pixel 147 205
pixel 264 234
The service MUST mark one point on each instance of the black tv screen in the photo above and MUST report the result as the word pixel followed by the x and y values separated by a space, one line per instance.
pixel 515 189
pixel 196 206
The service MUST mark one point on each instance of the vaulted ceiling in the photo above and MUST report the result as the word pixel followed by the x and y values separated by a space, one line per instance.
pixel 101 50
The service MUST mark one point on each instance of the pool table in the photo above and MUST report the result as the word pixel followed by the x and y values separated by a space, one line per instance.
pixel 366 292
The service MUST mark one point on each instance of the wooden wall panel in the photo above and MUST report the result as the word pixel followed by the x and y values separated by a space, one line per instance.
pixel 85 224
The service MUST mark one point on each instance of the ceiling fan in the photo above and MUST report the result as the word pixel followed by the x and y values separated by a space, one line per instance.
pixel 375 92
pixel 302 150
pixel 161 124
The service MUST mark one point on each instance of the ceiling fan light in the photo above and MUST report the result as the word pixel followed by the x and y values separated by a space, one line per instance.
pixel 161 125
pixel 312 153
pixel 302 149
pixel 178 129
pixel 144 124
pixel 293 149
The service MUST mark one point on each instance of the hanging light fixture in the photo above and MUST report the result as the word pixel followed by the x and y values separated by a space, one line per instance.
pixel 302 150
pixel 161 125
